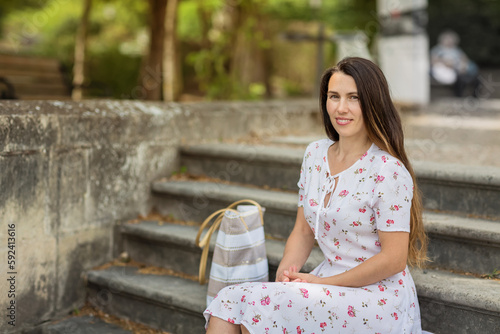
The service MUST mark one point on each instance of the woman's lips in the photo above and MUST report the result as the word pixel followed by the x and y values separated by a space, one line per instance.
pixel 343 121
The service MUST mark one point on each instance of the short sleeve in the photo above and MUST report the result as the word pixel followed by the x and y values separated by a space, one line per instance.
pixel 303 178
pixel 392 195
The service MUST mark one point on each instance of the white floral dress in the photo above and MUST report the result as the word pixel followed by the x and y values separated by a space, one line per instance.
pixel 373 194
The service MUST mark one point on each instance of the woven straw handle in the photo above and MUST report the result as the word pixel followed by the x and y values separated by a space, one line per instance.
pixel 205 241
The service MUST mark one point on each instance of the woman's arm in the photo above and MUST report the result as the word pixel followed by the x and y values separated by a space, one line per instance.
pixel 298 247
pixel 391 260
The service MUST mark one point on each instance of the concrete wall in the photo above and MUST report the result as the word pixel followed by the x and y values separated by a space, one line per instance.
pixel 70 171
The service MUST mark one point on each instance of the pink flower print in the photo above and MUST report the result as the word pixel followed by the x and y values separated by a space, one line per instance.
pixel 337 258
pixel 400 282
pixel 255 320
pixel 345 324
pixel 327 226
pixel 324 159
pixel 384 158
pixel 395 175
pixel 362 210
pixel 377 243
pixel 389 222
pixel 337 242
pixel 230 320
pixel 404 272
pixel 343 193
pixel 364 155
pixel 318 168
pixel 276 307
pixel 356 223
pixel 299 330
pixel 304 293
pixel 312 202
pixel 382 302
pixel 328 292
pixel 351 312
pixel 322 325
pixel 372 218
pixel 379 179
pixel 395 315
pixel 395 207
pixel 301 198
pixel 360 170
pixel 289 303
pixel 381 288
pixel 398 163
pixel 265 301
pixel 243 298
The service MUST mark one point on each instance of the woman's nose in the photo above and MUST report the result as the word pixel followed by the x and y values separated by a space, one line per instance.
pixel 342 107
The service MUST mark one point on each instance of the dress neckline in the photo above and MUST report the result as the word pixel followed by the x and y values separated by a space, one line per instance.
pixel 348 168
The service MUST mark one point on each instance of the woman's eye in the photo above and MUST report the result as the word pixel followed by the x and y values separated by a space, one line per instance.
pixel 354 97
pixel 334 97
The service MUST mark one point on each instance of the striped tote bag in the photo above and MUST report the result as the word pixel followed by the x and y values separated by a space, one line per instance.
pixel 240 251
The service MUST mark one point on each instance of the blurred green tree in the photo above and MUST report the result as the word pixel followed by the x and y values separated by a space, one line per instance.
pixel 227 49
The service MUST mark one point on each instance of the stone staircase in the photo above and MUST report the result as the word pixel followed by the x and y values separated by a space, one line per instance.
pixel 463 228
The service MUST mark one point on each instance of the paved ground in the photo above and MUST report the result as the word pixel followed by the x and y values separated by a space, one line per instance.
pixel 464 131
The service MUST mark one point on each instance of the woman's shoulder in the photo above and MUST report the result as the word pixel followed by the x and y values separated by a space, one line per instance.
pixel 381 161
pixel 319 145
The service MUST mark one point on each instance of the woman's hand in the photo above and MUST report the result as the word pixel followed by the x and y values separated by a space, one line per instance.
pixel 282 277
pixel 300 277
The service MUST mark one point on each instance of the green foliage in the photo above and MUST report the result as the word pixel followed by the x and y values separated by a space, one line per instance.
pixel 118 36
pixel 114 43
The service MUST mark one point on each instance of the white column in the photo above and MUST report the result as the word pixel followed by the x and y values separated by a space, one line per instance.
pixel 403 50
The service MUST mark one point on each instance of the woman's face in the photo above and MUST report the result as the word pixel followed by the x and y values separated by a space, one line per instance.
pixel 344 108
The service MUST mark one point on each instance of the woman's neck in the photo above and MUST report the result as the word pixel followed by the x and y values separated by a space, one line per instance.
pixel 351 148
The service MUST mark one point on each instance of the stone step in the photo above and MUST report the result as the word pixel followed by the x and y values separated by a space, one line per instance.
pixel 449 303
pixel 452 303
pixel 162 302
pixel 445 187
pixel 173 247
pixel 466 244
pixel 83 325
pixel 194 201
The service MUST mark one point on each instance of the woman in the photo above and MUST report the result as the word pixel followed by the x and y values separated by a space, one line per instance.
pixel 357 199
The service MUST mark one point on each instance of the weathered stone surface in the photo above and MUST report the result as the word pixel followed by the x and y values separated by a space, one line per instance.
pixel 71 170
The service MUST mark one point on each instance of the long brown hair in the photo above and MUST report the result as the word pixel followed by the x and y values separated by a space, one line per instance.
pixel 384 128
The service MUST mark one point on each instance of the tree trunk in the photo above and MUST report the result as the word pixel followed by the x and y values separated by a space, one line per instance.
pixel 171 73
pixel 151 74
pixel 80 46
